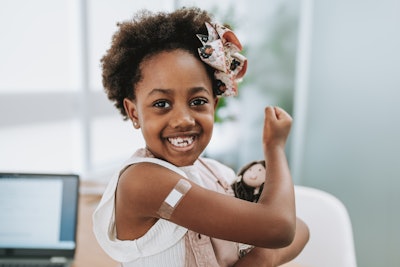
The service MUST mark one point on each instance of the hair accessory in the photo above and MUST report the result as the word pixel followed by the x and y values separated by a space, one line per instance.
pixel 221 51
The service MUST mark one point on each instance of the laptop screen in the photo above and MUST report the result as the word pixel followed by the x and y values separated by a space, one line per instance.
pixel 38 212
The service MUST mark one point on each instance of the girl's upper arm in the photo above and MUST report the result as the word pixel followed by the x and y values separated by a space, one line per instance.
pixel 146 185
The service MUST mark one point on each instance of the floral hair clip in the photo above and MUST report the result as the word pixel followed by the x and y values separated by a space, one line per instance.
pixel 221 51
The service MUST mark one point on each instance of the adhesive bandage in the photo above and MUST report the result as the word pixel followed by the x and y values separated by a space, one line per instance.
pixel 173 198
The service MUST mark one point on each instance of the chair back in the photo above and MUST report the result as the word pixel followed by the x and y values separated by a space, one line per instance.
pixel 331 241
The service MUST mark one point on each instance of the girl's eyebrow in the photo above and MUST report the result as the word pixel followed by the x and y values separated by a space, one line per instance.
pixel 192 90
pixel 199 89
pixel 160 91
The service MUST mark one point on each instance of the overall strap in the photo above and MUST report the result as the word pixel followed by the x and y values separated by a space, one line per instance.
pixel 221 181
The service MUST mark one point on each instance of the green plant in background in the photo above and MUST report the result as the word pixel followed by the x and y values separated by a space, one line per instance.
pixel 272 60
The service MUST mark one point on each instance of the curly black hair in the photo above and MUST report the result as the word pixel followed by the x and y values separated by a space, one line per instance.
pixel 145 35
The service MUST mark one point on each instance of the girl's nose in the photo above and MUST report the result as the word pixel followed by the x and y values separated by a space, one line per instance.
pixel 182 119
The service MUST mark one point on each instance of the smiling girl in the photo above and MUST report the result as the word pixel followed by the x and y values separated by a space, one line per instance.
pixel 168 206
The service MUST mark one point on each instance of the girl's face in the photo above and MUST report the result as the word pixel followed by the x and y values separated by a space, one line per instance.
pixel 174 106
pixel 255 175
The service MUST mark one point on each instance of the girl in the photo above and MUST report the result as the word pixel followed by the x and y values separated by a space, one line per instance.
pixel 167 206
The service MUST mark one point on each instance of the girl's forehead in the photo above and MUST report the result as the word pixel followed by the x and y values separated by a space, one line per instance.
pixel 173 70
pixel 170 60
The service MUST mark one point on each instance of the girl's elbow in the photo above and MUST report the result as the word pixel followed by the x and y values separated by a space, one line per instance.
pixel 287 237
pixel 283 233
pixel 288 230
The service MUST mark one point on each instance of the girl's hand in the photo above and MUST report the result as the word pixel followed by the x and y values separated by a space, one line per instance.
pixel 277 125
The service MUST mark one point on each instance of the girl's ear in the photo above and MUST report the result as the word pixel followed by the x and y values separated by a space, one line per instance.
pixel 131 111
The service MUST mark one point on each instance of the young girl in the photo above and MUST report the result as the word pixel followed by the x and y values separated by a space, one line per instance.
pixel 167 206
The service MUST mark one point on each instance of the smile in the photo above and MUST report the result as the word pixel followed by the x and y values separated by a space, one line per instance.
pixel 181 141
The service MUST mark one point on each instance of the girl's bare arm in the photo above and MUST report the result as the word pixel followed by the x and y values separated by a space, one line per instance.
pixel 270 223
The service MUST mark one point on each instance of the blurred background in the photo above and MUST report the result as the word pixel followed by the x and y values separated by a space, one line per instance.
pixel 333 65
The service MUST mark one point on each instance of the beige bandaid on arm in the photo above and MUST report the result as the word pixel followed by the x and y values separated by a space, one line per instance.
pixel 173 198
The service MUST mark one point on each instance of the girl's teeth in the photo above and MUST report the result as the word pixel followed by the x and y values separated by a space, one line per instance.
pixel 181 141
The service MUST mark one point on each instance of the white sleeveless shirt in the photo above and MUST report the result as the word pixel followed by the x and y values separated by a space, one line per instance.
pixel 164 242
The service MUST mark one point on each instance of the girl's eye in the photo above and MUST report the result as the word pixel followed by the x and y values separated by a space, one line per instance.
pixel 198 102
pixel 161 104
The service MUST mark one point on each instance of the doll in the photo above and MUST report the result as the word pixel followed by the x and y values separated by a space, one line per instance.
pixel 250 181
pixel 249 186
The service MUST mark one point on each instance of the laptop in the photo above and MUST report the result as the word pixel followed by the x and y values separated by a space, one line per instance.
pixel 38 219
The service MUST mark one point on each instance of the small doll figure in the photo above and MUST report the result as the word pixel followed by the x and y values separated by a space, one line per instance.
pixel 250 181
pixel 249 186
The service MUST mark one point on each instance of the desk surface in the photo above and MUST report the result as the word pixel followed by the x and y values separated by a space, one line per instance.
pixel 88 252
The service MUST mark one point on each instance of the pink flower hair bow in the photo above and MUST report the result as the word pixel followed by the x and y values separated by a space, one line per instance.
pixel 221 51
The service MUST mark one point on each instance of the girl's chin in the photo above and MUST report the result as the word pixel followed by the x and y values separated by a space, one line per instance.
pixel 182 161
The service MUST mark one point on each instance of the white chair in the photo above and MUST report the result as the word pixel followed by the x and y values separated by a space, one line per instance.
pixel 331 241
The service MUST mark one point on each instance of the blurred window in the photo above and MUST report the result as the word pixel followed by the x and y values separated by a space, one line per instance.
pixel 54 115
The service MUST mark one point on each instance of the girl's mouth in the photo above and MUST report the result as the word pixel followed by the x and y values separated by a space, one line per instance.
pixel 181 141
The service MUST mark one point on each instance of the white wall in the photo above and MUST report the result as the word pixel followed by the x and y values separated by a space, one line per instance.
pixel 347 140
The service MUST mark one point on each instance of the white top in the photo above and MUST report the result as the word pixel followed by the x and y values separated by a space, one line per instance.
pixel 164 243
